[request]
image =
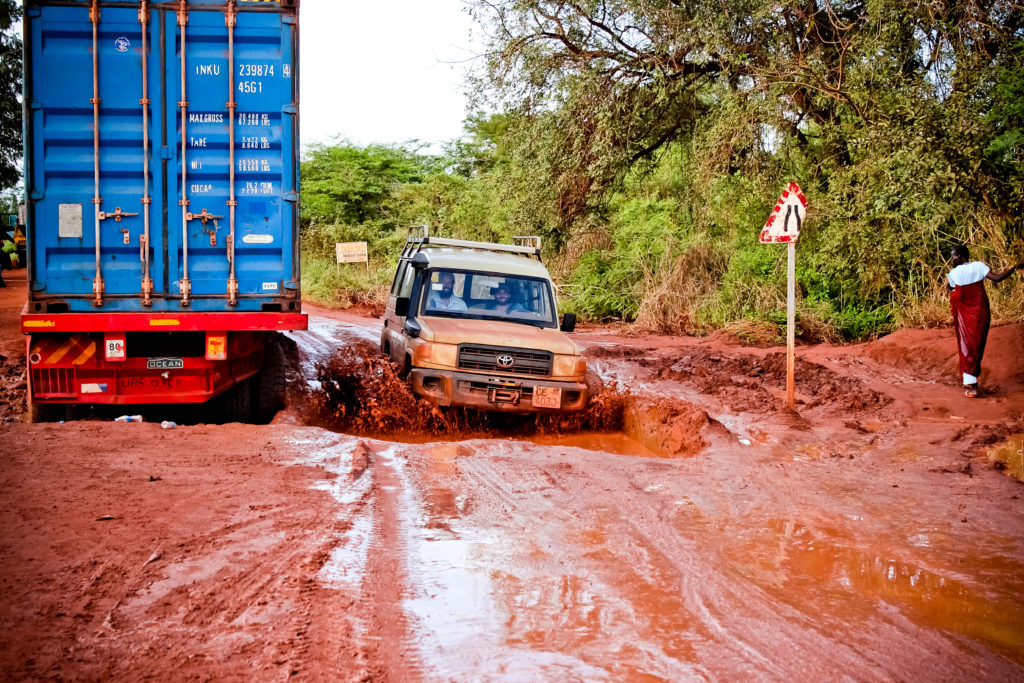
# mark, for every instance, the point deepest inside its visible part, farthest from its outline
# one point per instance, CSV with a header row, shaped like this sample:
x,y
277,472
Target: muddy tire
x,y
404,367
269,385
237,406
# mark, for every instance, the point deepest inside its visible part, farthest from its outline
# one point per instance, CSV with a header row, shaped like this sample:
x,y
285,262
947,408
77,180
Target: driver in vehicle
x,y
503,304
444,299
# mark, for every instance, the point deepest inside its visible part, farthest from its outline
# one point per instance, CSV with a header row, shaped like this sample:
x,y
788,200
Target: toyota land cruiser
x,y
474,324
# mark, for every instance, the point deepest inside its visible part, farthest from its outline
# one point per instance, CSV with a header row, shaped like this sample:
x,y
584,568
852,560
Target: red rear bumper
x,y
67,364
162,322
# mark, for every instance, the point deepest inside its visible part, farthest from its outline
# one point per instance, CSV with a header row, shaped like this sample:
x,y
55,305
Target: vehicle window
x,y
405,288
403,266
468,294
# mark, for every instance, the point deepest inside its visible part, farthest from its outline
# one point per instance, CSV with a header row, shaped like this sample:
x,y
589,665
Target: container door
x,y
78,189
255,75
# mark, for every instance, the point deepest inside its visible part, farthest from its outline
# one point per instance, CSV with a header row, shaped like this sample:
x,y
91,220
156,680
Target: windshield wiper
x,y
438,313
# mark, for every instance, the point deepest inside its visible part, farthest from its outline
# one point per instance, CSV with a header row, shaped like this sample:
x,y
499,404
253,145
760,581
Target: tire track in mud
x,y
622,580
208,571
392,652
226,596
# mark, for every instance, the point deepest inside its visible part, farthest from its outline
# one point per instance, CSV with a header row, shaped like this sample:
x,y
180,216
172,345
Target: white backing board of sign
x,y
784,223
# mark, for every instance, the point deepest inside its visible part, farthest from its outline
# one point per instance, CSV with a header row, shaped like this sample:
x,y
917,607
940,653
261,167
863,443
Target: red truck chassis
x,y
138,358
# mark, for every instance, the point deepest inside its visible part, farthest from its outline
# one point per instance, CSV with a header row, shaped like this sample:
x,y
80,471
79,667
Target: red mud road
x,y
707,533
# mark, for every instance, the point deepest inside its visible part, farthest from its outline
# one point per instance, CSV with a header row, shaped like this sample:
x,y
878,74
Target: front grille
x,y
532,363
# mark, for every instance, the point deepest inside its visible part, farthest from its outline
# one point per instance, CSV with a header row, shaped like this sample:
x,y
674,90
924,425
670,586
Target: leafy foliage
x,y
10,95
646,141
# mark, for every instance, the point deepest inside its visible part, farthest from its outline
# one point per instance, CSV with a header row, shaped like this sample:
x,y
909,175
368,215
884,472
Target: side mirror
x,y
568,322
412,328
402,306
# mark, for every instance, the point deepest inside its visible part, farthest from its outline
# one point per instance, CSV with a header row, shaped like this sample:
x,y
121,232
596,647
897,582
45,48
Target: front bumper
x,y
499,394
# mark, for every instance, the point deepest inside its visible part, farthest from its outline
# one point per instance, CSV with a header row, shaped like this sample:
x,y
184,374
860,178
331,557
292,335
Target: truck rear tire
x,y
270,384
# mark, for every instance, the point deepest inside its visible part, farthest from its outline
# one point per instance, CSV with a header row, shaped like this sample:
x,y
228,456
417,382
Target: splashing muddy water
x,y
358,391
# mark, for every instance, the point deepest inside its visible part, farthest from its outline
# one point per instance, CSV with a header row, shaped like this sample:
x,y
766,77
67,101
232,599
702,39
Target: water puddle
x,y
614,443
842,583
492,602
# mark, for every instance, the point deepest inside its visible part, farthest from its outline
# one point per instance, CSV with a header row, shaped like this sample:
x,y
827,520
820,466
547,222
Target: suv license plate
x,y
547,397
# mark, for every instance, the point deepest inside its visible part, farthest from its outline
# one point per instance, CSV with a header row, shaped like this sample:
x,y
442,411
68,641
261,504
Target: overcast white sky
x,y
384,71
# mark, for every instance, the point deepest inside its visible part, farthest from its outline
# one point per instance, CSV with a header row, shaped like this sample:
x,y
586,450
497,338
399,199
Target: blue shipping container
x,y
161,155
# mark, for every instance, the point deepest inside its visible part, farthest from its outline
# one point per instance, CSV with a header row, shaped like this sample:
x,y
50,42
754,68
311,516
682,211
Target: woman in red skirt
x,y
971,315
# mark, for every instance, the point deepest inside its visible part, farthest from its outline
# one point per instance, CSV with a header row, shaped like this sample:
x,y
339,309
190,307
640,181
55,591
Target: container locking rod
x,y
230,19
186,285
147,282
94,18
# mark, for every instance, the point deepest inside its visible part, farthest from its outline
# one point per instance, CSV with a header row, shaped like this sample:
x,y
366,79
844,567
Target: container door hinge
x,y
291,196
288,19
289,109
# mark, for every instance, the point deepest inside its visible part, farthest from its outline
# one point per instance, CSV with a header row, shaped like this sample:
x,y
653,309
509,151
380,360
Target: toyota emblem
x,y
505,360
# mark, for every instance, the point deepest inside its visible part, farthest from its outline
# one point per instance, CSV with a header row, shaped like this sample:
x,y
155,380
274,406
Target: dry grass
x,y
583,240
672,296
374,298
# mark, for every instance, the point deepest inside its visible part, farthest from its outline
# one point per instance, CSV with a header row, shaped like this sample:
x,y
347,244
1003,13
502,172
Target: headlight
x,y
438,354
569,366
446,354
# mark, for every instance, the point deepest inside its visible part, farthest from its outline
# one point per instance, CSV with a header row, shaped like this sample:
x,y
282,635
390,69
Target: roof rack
x,y
527,246
527,241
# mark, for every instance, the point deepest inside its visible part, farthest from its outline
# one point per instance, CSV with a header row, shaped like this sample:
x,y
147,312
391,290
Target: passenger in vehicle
x,y
444,299
503,304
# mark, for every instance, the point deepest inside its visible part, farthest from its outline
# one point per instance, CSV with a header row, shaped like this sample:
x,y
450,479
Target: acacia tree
x,y
901,118
600,85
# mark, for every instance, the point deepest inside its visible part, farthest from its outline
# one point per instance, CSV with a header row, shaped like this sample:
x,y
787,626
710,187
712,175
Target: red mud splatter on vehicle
x,y
361,393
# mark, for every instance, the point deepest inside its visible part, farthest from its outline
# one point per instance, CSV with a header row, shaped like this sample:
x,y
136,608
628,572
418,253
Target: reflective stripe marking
x,y
63,350
88,353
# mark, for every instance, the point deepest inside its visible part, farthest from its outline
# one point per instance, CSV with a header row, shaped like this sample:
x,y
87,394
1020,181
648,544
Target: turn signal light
x,y
216,346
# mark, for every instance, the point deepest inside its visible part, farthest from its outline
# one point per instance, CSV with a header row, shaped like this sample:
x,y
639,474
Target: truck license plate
x,y
165,364
547,397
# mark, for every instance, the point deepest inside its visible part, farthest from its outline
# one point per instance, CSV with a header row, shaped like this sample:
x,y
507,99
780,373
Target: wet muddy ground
x,y
688,527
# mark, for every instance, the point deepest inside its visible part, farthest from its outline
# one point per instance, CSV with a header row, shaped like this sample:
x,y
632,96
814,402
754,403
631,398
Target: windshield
x,y
491,296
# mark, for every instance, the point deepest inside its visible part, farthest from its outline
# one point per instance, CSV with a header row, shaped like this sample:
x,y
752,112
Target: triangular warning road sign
x,y
786,218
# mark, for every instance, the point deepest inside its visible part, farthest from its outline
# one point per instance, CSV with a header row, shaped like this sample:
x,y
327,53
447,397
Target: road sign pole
x,y
780,230
791,327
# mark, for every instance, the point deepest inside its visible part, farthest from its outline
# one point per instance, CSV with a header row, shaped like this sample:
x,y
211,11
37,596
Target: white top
x,y
454,303
485,261
967,274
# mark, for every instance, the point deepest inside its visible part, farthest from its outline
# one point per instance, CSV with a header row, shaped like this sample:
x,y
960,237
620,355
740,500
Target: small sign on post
x,y
783,227
351,252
